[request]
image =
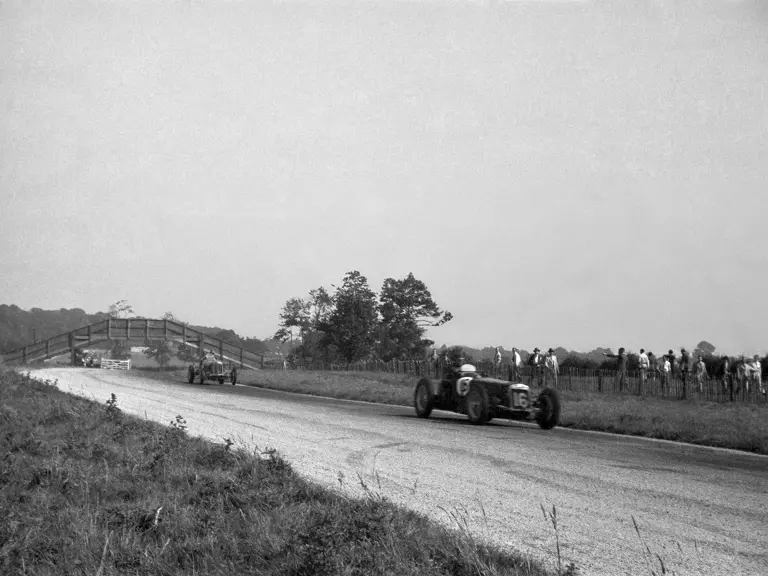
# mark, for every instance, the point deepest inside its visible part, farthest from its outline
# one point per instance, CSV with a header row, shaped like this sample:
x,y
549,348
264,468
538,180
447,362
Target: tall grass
x,y
86,489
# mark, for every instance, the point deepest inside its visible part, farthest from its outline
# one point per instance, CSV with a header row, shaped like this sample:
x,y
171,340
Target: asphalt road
x,y
704,511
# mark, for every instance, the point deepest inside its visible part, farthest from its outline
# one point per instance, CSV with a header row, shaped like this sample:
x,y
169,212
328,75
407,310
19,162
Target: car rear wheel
x,y
191,374
423,398
234,376
548,415
477,404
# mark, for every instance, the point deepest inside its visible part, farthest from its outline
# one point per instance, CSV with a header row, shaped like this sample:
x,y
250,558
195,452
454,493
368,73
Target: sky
x,y
559,173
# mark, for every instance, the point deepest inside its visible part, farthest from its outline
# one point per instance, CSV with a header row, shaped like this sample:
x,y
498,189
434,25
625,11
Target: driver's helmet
x,y
467,368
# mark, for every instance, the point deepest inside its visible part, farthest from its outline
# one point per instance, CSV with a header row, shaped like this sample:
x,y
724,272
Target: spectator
x,y
653,366
552,366
700,371
534,363
666,371
758,374
753,369
497,362
741,374
727,379
643,363
435,362
515,365
621,373
685,369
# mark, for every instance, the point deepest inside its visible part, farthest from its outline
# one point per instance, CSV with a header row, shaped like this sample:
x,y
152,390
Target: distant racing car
x,y
209,368
465,391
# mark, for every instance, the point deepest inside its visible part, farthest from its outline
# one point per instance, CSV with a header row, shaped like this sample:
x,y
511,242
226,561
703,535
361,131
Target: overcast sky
x,y
574,174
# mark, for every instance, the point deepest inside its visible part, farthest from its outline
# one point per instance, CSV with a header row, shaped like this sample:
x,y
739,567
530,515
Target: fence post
x,y
109,328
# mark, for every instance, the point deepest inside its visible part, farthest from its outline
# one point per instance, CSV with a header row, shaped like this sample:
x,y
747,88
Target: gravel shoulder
x,y
702,510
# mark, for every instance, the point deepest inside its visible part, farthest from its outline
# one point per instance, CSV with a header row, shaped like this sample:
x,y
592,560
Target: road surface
x,y
703,510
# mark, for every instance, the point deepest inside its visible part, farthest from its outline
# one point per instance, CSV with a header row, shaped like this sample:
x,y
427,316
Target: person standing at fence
x,y
758,374
666,371
685,369
514,367
551,367
726,377
741,374
497,362
435,362
752,370
700,371
643,363
621,372
534,364
653,366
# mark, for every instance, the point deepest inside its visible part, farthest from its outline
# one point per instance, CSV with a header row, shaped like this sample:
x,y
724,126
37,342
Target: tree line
x,y
352,322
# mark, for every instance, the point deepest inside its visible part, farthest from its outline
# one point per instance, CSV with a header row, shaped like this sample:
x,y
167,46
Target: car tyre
x,y
191,375
548,415
423,398
234,376
477,404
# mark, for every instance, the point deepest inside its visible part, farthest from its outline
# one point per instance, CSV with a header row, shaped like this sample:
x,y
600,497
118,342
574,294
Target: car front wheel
x,y
548,415
423,398
477,405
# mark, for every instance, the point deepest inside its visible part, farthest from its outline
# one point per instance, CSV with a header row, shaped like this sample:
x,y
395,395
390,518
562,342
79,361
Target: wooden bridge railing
x,y
131,329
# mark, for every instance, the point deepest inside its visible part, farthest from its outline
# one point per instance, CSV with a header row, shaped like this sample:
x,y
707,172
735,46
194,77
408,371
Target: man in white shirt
x,y
700,371
515,365
642,364
753,369
497,362
666,370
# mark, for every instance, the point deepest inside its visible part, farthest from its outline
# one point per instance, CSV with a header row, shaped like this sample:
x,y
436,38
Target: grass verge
x,y
86,489
736,425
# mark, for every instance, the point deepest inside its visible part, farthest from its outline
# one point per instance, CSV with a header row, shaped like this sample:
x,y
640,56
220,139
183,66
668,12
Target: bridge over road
x,y
130,329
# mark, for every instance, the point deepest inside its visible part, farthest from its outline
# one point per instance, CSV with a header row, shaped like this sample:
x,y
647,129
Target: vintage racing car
x,y
465,391
209,368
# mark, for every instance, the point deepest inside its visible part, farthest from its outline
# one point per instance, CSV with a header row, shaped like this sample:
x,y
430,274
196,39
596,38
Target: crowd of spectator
x,y
731,375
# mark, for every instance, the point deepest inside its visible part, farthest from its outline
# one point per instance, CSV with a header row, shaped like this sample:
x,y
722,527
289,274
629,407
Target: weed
x,y
113,412
551,517
650,557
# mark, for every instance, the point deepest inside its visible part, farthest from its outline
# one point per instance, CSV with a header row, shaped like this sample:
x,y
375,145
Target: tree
x,y
120,349
161,351
293,317
302,318
120,309
407,310
351,325
704,349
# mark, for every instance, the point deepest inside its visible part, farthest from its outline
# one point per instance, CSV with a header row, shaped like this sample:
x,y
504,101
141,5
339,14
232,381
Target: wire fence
x,y
651,383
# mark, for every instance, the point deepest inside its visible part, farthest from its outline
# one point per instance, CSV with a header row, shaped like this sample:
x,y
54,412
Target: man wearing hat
x,y
534,363
551,365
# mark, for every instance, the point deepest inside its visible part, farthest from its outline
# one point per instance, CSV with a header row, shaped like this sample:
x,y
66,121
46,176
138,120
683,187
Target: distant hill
x,y
19,327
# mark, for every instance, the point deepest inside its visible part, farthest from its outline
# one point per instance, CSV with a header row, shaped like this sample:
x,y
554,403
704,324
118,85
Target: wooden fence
x,y
571,379
109,364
